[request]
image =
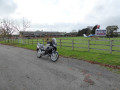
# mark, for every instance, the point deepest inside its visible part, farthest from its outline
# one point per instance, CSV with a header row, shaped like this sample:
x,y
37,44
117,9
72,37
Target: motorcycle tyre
x,y
39,56
56,57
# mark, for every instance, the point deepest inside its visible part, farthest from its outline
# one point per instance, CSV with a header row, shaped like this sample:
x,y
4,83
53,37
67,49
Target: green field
x,y
100,56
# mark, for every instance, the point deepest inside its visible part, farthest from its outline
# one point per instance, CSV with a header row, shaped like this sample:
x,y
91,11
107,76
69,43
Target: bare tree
x,y
26,24
8,27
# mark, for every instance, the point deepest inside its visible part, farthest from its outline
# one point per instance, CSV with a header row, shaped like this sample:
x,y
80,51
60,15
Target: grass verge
x,y
95,58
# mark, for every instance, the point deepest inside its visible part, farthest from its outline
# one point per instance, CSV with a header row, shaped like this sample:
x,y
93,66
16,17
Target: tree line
x,y
9,27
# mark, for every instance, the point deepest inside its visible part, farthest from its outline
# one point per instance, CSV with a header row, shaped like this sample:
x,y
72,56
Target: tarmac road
x,y
20,69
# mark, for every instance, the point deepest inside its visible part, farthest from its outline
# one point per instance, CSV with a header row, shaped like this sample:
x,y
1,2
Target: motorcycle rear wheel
x,y
54,56
39,53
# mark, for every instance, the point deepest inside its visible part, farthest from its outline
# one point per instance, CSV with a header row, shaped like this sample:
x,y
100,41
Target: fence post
x,y
111,46
22,41
28,41
5,40
88,45
43,41
18,40
37,40
14,40
73,44
32,41
60,43
25,40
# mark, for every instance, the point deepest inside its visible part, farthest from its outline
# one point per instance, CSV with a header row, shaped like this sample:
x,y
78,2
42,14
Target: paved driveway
x,y
20,69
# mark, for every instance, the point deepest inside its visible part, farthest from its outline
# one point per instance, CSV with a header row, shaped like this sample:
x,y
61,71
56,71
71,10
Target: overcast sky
x,y
62,15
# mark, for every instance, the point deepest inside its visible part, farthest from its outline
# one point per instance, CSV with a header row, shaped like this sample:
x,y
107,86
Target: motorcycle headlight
x,y
37,46
54,45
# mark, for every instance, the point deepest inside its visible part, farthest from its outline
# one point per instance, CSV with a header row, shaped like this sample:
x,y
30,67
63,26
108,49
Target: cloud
x,y
111,21
104,13
7,7
54,11
64,15
61,27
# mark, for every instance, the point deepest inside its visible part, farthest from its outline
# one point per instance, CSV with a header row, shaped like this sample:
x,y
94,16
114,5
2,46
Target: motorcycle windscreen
x,y
54,41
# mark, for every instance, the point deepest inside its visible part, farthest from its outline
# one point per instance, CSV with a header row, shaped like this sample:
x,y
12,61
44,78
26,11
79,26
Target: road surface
x,y
20,69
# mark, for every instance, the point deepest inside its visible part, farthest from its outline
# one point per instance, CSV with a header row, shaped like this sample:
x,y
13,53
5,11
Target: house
x,y
40,34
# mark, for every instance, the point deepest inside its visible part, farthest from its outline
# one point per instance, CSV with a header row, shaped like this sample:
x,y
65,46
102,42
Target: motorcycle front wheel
x,y
39,53
54,56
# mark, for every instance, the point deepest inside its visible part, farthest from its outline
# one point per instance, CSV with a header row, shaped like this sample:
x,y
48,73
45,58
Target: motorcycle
x,y
50,49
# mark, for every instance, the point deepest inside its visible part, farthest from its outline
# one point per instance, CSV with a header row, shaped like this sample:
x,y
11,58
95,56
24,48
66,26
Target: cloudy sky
x,y
62,15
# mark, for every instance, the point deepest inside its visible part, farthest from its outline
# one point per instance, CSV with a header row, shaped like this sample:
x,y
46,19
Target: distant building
x,y
71,34
40,34
118,33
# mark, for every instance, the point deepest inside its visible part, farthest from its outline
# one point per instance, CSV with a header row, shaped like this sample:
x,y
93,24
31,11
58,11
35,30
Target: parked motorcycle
x,y
49,49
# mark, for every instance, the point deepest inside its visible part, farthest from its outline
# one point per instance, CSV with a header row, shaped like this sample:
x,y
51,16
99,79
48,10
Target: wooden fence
x,y
74,43
88,44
